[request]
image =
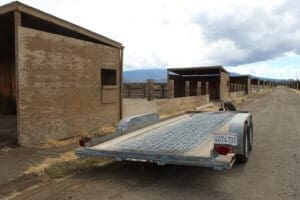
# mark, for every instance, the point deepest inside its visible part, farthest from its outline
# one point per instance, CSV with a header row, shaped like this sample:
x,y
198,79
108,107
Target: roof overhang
x,y
241,76
197,69
23,8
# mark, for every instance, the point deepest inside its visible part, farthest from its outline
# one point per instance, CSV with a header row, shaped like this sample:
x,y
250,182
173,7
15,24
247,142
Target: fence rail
x,y
140,90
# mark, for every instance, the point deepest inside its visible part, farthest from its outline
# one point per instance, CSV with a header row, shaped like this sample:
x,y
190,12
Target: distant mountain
x,y
160,76
157,75
136,76
234,74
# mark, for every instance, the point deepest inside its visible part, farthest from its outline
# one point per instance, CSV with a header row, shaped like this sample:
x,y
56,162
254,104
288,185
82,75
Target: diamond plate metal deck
x,y
176,138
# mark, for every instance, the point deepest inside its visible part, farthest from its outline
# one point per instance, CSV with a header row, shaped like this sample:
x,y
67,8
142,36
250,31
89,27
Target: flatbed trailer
x,y
210,139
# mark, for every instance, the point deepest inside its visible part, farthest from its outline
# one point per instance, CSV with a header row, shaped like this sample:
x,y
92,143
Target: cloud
x,y
259,70
256,31
189,33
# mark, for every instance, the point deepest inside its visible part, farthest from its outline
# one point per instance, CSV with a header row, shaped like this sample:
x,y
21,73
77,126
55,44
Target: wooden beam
x,y
170,87
150,90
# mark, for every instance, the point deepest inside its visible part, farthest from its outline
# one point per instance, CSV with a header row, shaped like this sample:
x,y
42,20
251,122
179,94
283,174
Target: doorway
x,y
8,108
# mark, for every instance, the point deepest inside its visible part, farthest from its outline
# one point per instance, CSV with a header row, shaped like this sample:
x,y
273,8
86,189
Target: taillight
x,y
84,140
224,150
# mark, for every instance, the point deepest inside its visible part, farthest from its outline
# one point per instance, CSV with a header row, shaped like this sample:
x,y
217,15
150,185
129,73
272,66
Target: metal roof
x,y
23,8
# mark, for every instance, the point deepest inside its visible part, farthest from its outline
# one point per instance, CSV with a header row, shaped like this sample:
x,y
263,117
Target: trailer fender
x,y
237,126
135,122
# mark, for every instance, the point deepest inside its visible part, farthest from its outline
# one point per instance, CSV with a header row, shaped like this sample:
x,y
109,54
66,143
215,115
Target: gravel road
x,y
272,171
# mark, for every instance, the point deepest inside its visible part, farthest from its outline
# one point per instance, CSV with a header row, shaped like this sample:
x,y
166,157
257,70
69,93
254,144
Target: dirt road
x,y
272,171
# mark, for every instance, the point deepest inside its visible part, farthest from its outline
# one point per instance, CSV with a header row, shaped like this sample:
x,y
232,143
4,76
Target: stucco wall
x,y
60,92
163,106
133,107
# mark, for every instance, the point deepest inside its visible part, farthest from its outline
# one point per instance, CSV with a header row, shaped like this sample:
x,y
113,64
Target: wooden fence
x,y
142,90
152,90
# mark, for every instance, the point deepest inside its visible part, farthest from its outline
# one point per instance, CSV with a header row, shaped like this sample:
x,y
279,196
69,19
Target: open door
x,y
8,110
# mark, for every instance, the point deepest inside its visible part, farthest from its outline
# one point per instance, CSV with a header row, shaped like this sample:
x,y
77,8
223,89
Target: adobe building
x,y
240,83
58,79
216,77
255,85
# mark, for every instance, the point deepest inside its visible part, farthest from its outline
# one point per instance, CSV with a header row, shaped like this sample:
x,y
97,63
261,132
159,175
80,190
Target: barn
x,y
216,77
240,83
57,80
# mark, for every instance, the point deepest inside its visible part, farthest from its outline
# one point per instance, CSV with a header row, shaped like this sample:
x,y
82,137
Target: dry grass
x,y
170,115
41,167
58,143
295,91
97,132
211,108
239,100
65,164
63,169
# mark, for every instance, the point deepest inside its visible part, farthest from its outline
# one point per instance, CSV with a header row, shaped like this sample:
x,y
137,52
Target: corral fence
x,y
140,90
151,90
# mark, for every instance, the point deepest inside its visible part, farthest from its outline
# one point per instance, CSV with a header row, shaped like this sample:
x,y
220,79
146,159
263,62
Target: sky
x,y
260,37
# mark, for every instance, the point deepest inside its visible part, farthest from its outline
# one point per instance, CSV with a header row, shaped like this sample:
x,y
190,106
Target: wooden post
x,y
170,92
128,90
187,88
162,87
206,88
149,90
144,89
199,88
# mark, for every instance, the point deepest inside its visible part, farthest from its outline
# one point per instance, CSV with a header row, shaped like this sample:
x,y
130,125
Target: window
x,y
108,77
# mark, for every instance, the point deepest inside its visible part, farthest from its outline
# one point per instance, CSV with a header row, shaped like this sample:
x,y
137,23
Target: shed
x,y
216,76
240,83
255,85
57,79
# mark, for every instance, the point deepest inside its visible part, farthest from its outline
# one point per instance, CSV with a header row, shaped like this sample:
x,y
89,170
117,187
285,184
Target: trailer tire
x,y
250,135
229,106
243,158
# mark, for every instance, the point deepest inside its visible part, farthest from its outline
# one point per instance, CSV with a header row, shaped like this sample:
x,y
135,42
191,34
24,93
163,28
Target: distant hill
x,y
157,75
160,76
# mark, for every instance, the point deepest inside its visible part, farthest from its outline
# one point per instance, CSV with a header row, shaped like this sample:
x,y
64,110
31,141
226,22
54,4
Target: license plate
x,y
225,139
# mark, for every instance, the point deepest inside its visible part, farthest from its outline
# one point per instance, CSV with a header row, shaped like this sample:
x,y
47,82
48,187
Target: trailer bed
x,y
186,140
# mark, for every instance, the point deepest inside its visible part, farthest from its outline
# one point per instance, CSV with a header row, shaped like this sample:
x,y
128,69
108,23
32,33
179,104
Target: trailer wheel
x,y
250,135
229,106
243,158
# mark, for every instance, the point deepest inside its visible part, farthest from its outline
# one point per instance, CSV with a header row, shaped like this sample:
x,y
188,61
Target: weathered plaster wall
x,y
168,106
133,107
60,92
224,86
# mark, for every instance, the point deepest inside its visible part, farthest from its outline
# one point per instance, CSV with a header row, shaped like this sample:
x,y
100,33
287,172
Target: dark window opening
x,y
108,77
